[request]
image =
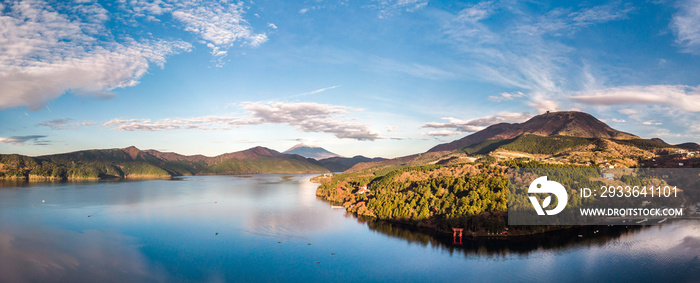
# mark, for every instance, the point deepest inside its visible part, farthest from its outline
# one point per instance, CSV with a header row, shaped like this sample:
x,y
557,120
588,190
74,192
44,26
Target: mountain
x,y
564,124
310,151
567,136
131,162
340,164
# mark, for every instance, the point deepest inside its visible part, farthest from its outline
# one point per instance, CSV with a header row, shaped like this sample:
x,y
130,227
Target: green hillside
x,y
529,143
133,163
438,197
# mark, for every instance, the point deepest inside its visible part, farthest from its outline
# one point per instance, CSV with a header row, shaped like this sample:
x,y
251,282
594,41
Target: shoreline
x,y
36,178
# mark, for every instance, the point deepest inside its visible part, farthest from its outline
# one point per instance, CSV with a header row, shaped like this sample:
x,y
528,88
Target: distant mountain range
x,y
310,151
132,163
327,159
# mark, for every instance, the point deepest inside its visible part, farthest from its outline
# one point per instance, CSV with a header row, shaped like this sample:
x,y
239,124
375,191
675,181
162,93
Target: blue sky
x,y
378,78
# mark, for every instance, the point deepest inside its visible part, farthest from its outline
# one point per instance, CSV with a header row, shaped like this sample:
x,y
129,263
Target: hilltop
x,y
132,162
566,124
327,159
310,151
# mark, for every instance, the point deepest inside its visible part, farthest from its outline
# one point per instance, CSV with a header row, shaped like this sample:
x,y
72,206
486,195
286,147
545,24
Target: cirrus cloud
x,y
64,123
686,26
442,133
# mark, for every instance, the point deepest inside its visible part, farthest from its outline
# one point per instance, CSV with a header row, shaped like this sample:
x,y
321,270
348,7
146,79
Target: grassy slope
x,y
529,143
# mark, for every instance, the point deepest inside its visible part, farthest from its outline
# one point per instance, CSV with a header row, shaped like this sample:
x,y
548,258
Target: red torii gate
x,y
454,236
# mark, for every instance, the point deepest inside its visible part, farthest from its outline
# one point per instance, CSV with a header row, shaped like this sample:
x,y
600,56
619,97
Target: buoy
x,y
309,244
43,200
217,233
332,253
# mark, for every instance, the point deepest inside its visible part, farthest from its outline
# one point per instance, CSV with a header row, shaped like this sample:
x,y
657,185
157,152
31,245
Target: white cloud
x,y
478,124
627,111
525,52
272,26
442,133
600,14
683,97
618,120
45,53
506,96
200,123
64,123
218,23
303,10
21,140
391,7
311,117
477,12
305,116
686,26
562,21
141,8
545,105
651,122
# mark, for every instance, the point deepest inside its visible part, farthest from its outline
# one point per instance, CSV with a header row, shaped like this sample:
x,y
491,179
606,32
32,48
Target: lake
x,y
273,228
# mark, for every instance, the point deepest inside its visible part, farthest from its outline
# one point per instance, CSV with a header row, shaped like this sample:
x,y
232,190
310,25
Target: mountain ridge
x,y
565,123
131,162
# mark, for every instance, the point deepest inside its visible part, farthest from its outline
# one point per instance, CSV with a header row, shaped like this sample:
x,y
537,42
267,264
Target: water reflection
x,y
502,246
45,255
272,228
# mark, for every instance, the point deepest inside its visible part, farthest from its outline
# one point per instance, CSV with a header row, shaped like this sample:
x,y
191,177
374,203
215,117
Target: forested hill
x,y
437,197
131,162
551,124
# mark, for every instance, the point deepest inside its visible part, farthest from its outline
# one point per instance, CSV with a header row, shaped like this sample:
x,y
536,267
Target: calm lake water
x,y
272,228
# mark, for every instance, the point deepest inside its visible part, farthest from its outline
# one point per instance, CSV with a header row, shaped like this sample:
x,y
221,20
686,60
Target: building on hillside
x,y
362,190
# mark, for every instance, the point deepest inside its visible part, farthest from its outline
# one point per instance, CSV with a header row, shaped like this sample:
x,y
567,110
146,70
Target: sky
x,y
376,78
